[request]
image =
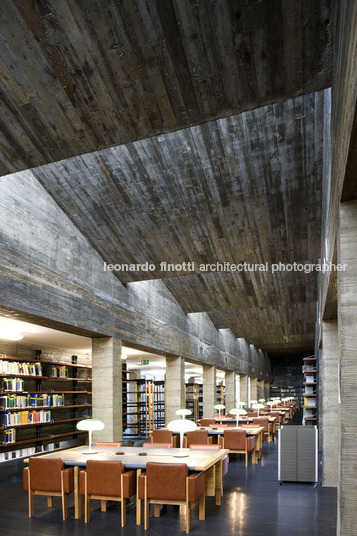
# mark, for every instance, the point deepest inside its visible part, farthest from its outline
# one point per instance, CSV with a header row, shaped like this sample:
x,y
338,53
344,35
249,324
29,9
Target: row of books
x,y
59,371
30,401
8,436
25,417
21,369
12,384
20,453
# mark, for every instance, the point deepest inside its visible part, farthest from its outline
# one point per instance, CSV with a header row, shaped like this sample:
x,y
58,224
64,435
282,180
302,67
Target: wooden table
x,y
196,460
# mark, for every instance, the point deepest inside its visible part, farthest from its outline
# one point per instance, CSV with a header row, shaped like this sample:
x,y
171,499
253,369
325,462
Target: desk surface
x,y
197,460
220,431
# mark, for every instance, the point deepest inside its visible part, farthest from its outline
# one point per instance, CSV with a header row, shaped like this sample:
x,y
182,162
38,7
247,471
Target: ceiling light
x,y
10,335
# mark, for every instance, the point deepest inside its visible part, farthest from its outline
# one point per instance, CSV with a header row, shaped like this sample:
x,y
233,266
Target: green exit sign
x,y
145,361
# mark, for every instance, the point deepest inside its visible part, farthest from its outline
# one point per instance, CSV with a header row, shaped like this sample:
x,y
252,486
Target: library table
x,y
209,461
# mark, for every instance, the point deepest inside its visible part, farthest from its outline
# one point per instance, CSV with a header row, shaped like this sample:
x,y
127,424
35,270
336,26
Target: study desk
x,y
258,432
196,460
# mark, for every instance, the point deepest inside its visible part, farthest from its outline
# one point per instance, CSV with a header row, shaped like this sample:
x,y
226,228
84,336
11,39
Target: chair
x,y
46,476
106,481
108,444
207,422
268,426
238,442
170,483
163,436
198,437
157,445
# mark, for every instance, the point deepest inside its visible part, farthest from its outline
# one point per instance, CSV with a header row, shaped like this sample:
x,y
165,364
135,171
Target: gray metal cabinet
x,y
298,454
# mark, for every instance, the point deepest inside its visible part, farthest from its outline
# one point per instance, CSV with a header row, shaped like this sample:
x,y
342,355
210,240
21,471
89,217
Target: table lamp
x,y
252,402
241,404
258,407
219,407
237,412
181,426
183,412
261,400
90,425
270,403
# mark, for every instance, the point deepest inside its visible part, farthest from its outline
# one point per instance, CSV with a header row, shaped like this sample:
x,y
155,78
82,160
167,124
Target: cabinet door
x,y
288,453
306,454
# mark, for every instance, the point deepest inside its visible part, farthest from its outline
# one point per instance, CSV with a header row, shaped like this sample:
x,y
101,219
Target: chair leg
x,y
31,505
187,509
103,506
156,510
246,458
64,506
146,506
123,511
86,499
49,501
202,507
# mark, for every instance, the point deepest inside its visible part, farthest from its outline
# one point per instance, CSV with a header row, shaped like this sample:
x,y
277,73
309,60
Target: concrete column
x,y
266,390
230,390
329,407
260,389
174,387
243,378
209,390
107,387
253,389
347,323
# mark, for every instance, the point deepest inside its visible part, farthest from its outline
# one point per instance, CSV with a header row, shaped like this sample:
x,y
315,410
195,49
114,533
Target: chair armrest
x,y
251,442
68,479
225,461
210,440
129,484
25,478
82,482
184,442
141,486
196,486
221,442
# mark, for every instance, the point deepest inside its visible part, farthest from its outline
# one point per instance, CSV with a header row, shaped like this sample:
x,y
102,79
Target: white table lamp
x,y
183,412
219,407
181,426
258,407
241,404
237,412
90,425
261,400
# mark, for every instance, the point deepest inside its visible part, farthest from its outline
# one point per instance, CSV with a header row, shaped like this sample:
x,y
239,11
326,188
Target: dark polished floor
x,y
254,504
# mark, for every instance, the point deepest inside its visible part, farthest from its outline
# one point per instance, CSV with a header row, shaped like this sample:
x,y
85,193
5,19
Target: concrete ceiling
x,y
181,131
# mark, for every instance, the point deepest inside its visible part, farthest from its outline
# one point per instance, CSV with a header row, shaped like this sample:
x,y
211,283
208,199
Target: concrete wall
x,y
329,406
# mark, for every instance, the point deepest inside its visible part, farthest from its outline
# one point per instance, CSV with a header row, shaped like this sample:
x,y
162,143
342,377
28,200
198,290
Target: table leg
x,y
138,501
218,482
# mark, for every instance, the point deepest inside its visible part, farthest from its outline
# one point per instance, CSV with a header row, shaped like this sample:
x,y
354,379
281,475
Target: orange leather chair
x,y
163,435
106,481
157,445
108,444
46,476
238,442
197,437
207,422
268,426
170,483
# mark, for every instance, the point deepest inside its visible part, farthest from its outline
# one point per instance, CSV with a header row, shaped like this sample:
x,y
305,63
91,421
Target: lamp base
x,y
180,455
89,452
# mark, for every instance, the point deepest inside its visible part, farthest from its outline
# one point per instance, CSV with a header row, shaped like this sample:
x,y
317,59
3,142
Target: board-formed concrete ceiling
x,y
181,131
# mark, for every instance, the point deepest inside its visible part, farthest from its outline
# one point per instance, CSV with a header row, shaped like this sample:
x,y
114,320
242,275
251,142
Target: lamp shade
x,y
181,426
241,404
183,412
253,402
90,425
261,400
270,403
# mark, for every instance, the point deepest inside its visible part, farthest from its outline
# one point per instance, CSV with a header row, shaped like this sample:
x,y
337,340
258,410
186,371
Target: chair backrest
x,y
104,478
161,436
262,421
45,473
166,481
207,422
157,445
197,437
235,439
108,444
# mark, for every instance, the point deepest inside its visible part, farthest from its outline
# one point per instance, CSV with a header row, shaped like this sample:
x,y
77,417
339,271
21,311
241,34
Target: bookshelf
x,y
41,402
310,390
143,406
194,400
